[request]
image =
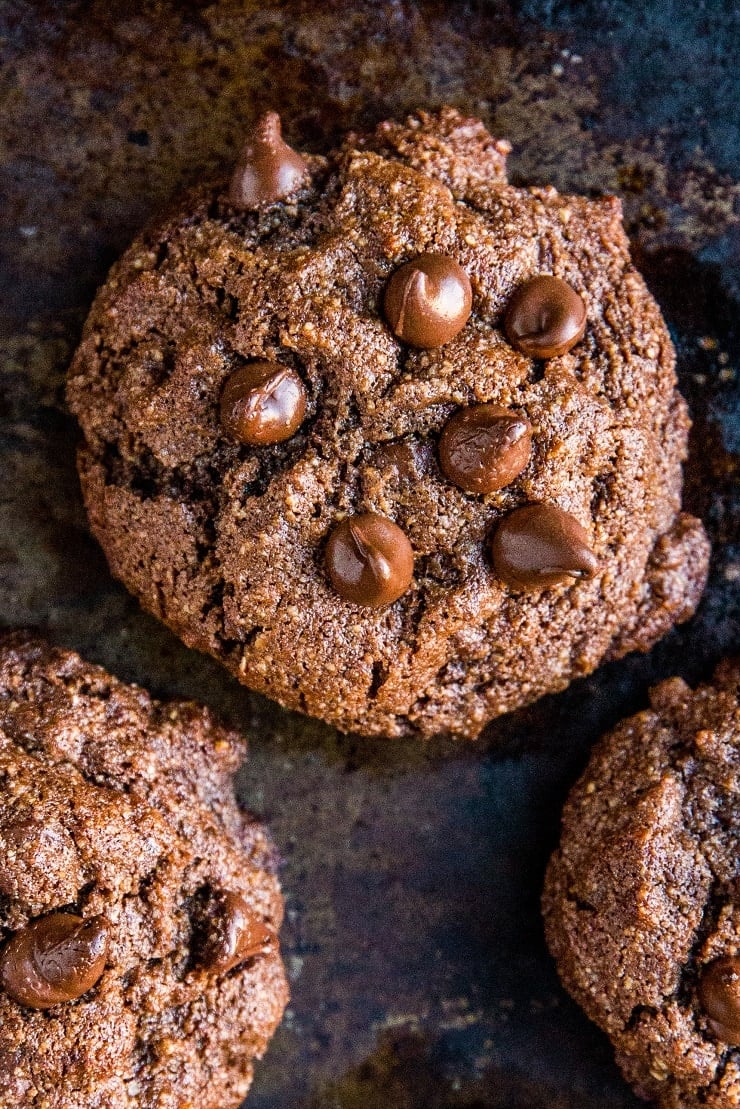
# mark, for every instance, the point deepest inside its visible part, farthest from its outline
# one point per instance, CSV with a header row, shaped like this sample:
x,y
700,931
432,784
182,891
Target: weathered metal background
x,y
412,876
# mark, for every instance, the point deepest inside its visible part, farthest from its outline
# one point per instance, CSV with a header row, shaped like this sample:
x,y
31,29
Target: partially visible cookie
x,y
139,908
398,443
642,899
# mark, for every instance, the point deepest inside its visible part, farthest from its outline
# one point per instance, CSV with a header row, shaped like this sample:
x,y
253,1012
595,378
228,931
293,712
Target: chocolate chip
x,y
369,560
483,448
545,317
428,300
268,169
263,403
54,959
719,993
404,458
234,933
539,546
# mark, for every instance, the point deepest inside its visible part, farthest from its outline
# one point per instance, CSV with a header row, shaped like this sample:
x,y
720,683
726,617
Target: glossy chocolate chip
x,y
404,458
484,447
234,933
545,317
268,169
719,993
369,560
539,546
54,959
263,403
428,300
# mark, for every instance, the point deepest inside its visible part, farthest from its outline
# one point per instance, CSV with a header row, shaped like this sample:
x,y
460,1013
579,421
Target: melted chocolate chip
x,y
54,959
268,169
400,456
369,560
483,448
539,546
428,300
719,993
234,933
263,403
545,317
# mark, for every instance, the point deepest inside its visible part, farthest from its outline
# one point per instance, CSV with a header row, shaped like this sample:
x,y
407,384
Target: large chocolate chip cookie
x,y
396,442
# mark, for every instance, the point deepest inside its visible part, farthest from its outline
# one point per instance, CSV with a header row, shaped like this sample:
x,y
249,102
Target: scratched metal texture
x,y
412,875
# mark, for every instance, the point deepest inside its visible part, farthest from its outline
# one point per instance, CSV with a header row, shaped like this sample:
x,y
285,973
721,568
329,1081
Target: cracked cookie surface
x,y
119,811
226,541
642,900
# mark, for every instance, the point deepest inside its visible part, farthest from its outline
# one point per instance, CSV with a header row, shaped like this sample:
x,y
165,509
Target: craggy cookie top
x,y
139,910
642,900
398,443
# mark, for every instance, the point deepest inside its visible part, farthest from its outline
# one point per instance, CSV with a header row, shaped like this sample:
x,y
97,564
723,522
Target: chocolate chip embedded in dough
x,y
369,560
263,403
268,169
484,447
54,959
428,300
719,993
234,933
545,317
539,546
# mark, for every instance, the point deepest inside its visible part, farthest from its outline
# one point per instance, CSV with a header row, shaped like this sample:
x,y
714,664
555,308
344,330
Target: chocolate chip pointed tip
x,y
268,169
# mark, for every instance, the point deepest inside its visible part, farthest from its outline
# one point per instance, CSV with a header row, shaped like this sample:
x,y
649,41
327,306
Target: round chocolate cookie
x,y
642,899
396,442
139,908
